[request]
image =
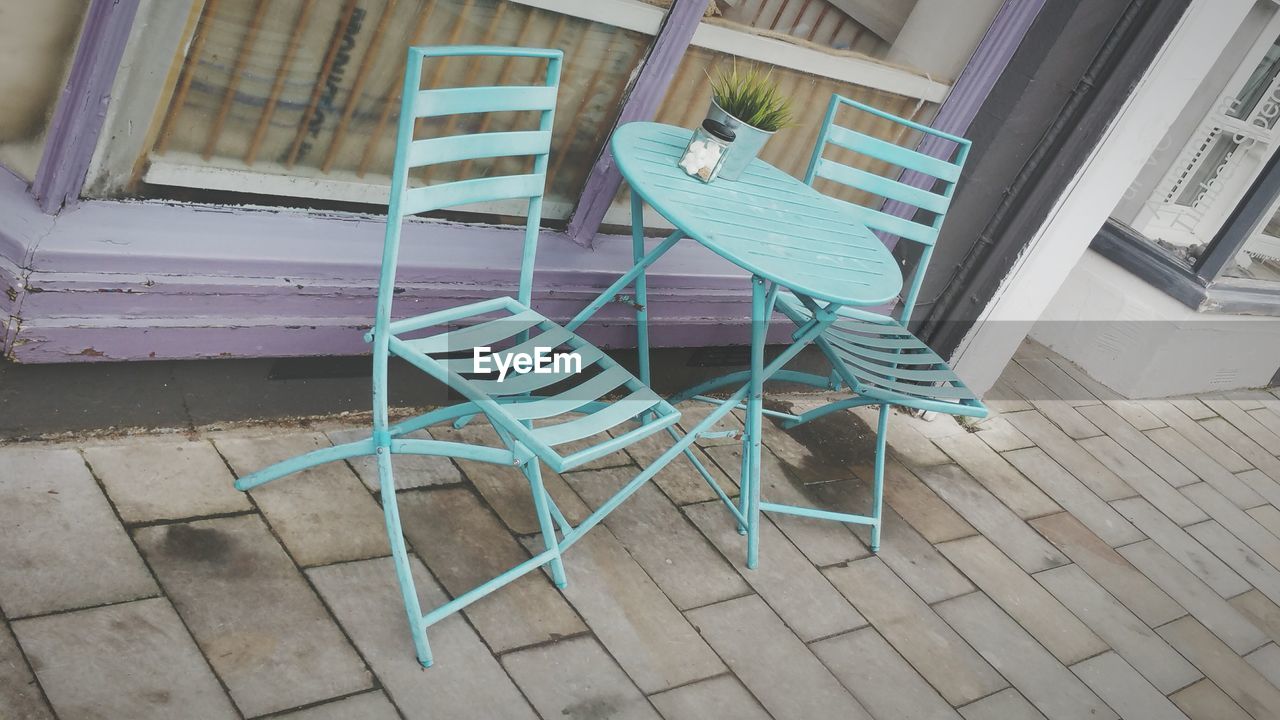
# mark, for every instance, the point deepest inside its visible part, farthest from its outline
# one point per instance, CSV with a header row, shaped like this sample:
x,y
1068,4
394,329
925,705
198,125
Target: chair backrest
x,y
919,182
417,103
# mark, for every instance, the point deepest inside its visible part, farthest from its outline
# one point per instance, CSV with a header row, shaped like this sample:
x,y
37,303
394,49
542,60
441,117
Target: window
x,y
299,98
37,42
1207,203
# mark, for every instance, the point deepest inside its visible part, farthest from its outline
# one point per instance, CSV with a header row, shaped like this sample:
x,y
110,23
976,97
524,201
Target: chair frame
x,y
803,310
525,447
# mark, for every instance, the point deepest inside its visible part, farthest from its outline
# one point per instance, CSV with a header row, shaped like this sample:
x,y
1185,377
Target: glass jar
x,y
706,150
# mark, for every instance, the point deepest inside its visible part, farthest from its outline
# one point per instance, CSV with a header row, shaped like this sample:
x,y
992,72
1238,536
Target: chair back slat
x,y
892,154
919,182
453,148
476,190
882,186
457,101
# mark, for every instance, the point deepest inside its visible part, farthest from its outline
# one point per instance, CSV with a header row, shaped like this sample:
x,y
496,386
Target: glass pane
x,y
37,43
1259,257
299,98
789,150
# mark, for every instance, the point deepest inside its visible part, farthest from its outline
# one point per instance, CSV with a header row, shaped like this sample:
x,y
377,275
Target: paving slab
x,y
629,614
773,663
1149,485
1249,425
465,681
1074,497
913,558
1266,660
1141,446
1002,398
1127,692
905,440
1029,667
1255,570
1070,455
679,480
1240,523
1058,381
695,411
1175,541
823,542
365,706
1199,599
132,660
1131,410
1024,599
997,522
886,685
722,696
1224,667
680,560
506,489
915,631
323,514
929,514
20,695
409,471
998,476
249,608
1245,446
1008,704
464,546
1267,418
165,479
1196,435
1206,468
1263,612
1110,569
64,547
1138,644
786,580
1206,701
576,678
1269,489
1044,401
996,432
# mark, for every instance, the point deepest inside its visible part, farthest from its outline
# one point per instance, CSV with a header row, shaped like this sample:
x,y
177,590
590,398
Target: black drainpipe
x,y
1090,108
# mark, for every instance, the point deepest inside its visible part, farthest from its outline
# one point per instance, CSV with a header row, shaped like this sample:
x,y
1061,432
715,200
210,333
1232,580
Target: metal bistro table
x,y
783,232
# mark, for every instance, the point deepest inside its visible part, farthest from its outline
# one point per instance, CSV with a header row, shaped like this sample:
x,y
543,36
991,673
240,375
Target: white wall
x,y
1140,342
1026,292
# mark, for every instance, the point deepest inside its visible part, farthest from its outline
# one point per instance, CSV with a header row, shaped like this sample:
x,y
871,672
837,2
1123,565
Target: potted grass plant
x,y
750,103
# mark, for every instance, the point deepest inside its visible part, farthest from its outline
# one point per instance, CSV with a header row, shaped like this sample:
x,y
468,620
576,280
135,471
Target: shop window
x,y
1207,201
37,42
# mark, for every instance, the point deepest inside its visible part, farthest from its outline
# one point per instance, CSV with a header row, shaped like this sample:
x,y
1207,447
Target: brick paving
x,y
1077,555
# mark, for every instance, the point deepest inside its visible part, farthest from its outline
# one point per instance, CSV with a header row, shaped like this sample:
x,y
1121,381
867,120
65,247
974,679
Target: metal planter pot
x,y
747,143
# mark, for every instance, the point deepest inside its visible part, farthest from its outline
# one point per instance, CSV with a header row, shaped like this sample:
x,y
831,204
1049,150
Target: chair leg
x,y
533,472
404,574
877,491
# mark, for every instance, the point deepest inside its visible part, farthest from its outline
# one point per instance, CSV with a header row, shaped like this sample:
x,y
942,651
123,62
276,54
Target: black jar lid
x,y
718,129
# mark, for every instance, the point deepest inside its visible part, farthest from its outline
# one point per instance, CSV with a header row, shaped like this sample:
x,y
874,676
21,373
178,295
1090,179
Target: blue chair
x,y
533,429
872,354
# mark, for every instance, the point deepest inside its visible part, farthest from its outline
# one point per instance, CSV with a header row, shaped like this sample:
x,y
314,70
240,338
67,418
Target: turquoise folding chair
x,y
874,355
533,429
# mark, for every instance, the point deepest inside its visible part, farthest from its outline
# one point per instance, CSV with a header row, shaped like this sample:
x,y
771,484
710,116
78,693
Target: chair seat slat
x,y
573,398
455,101
453,148
450,194
553,338
615,414
532,382
485,333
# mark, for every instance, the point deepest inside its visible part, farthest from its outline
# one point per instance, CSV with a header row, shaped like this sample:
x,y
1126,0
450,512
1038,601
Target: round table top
x,y
766,222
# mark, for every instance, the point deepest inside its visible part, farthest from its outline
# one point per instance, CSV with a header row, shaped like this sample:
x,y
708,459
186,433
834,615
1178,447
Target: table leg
x,y
755,405
642,295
